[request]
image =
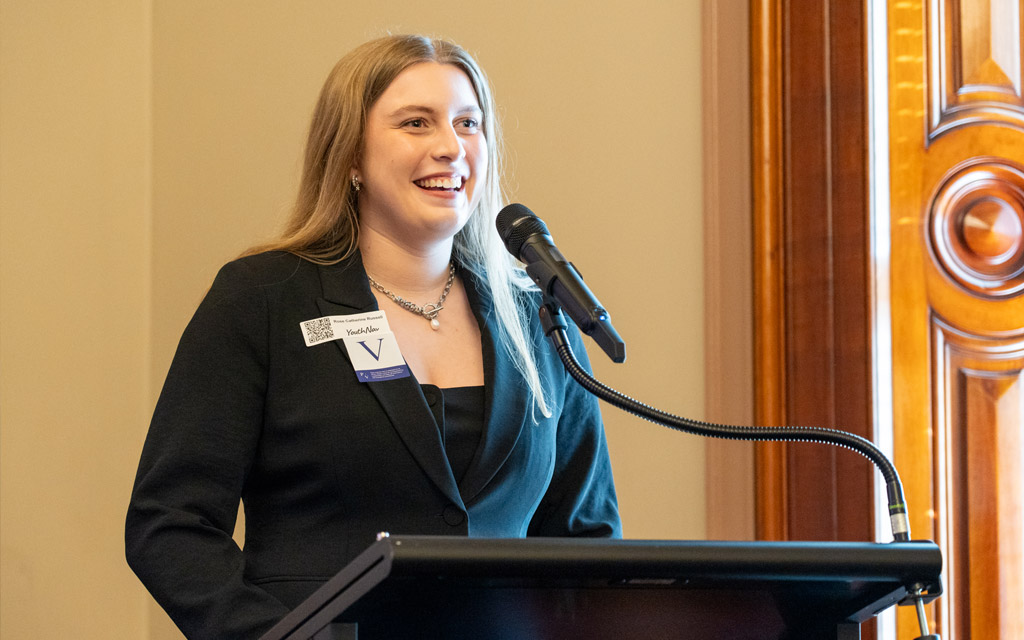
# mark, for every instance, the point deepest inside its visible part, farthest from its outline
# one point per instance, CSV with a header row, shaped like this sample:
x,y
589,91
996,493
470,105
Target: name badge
x,y
371,345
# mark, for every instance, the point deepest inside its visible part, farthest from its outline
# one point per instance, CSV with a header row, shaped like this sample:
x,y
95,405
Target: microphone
x,y
526,237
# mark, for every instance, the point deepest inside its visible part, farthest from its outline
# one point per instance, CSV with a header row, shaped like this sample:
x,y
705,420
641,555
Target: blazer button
x,y
453,515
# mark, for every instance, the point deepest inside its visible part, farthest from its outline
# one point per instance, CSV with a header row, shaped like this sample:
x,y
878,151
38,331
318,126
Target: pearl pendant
x,y
435,325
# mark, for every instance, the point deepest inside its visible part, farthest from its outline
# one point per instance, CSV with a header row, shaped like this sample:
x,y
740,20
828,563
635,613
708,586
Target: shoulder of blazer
x,y
264,269
287,274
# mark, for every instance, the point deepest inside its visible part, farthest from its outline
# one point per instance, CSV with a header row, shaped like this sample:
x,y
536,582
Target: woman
x,y
487,436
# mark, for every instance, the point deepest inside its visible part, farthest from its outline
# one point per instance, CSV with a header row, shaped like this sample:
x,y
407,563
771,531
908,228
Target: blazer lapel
x,y
506,404
346,291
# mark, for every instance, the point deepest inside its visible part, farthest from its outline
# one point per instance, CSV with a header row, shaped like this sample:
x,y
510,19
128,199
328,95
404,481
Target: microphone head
x,y
515,224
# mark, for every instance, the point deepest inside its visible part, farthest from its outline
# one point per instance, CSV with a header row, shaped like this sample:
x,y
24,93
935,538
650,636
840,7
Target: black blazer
x,y
323,462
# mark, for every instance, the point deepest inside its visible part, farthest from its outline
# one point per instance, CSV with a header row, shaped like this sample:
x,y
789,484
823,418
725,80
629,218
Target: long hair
x,y
324,224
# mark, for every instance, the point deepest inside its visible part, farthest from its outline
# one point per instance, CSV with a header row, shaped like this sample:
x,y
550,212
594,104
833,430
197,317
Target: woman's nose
x,y
448,144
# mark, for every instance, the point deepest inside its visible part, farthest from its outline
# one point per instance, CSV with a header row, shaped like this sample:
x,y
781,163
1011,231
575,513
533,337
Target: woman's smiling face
x,y
424,156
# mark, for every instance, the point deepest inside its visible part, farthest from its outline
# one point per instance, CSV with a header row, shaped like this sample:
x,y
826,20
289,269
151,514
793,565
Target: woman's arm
x,y
580,500
200,445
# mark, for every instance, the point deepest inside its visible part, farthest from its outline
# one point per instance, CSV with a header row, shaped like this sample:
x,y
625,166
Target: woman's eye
x,y
415,124
470,123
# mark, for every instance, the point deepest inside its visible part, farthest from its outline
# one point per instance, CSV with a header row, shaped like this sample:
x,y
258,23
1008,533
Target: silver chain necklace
x,y
429,311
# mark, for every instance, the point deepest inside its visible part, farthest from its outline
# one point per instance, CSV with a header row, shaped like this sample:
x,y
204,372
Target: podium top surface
x,y
905,562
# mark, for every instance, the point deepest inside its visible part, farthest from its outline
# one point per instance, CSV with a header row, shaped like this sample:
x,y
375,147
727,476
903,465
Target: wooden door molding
x,y
767,103
811,270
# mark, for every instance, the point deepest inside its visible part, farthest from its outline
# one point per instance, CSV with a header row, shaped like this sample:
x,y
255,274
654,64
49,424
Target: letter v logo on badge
x,y
376,356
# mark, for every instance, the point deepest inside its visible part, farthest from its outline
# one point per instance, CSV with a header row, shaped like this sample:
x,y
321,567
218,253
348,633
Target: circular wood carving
x,y
976,227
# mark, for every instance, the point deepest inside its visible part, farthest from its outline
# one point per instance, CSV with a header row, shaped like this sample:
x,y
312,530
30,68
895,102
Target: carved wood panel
x,y
978,449
976,63
976,227
957,282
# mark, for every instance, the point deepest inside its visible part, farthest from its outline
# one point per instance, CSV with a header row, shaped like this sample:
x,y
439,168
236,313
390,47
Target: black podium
x,y
566,589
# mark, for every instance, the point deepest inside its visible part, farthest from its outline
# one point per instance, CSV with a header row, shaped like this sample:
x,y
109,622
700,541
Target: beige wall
x,y
74,311
145,142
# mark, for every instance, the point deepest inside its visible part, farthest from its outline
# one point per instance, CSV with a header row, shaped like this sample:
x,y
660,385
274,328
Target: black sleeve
x,y
200,445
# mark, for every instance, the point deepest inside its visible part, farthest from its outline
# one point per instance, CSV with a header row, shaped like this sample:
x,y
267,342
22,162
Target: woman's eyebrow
x,y
417,109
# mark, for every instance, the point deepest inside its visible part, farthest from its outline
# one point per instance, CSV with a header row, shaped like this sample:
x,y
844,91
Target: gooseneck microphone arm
x,y
526,237
554,326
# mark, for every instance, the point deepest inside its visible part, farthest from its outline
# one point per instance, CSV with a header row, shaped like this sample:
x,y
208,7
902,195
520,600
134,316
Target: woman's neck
x,y
411,270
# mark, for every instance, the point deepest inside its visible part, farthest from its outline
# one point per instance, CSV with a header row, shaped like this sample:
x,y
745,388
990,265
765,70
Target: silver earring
x,y
356,185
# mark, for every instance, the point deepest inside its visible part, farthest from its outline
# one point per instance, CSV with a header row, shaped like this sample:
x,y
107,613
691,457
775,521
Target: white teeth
x,y
441,183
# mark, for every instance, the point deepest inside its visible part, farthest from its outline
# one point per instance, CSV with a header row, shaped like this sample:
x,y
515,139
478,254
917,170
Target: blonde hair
x,y
324,224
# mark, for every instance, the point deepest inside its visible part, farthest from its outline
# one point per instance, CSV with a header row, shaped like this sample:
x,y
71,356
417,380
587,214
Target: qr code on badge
x,y
318,330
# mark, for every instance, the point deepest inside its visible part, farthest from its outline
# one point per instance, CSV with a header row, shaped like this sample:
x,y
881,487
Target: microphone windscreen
x,y
515,224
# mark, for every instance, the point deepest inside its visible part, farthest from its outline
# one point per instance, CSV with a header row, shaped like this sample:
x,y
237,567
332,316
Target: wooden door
x,y
956,122
918,337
